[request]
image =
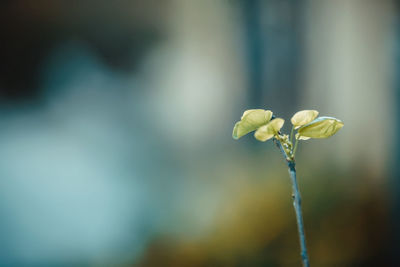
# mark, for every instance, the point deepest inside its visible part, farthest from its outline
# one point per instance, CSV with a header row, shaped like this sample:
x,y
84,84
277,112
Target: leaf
x,y
248,111
277,124
322,127
251,120
302,137
303,117
268,131
264,133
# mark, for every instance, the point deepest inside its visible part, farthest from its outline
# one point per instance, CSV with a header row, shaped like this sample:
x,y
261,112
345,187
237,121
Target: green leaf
x,y
302,137
251,120
268,131
277,124
322,127
303,117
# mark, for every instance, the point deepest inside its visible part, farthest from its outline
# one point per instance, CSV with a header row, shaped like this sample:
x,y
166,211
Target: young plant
x,y
308,125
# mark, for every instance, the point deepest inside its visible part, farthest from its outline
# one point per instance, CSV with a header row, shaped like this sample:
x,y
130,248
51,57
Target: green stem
x,y
291,134
296,204
295,148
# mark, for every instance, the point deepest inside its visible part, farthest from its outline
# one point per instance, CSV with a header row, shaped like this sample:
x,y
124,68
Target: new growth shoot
x,y
306,125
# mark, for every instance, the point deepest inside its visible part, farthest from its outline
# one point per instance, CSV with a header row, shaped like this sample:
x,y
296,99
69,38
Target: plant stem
x,y
297,204
291,134
299,215
295,148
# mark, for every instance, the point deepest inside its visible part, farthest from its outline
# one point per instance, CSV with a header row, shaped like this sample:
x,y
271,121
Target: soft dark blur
x,y
116,121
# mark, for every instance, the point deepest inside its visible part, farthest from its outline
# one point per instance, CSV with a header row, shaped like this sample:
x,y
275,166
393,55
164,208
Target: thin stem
x,y
291,134
296,204
279,145
295,148
299,215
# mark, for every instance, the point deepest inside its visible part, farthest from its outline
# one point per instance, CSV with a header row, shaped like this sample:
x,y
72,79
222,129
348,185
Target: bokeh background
x,y
116,121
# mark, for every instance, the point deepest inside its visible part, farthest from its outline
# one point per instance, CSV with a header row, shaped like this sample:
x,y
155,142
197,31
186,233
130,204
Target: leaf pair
x,y
305,122
258,120
309,126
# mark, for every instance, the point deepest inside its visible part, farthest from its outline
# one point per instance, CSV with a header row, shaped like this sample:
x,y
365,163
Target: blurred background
x,y
116,120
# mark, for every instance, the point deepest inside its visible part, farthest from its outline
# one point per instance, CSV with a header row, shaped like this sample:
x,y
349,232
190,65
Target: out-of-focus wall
x,y
350,74
197,76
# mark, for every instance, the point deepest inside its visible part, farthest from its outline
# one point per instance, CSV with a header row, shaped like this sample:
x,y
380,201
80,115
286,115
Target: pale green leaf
x,y
303,117
264,133
322,127
268,131
277,124
251,120
302,137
